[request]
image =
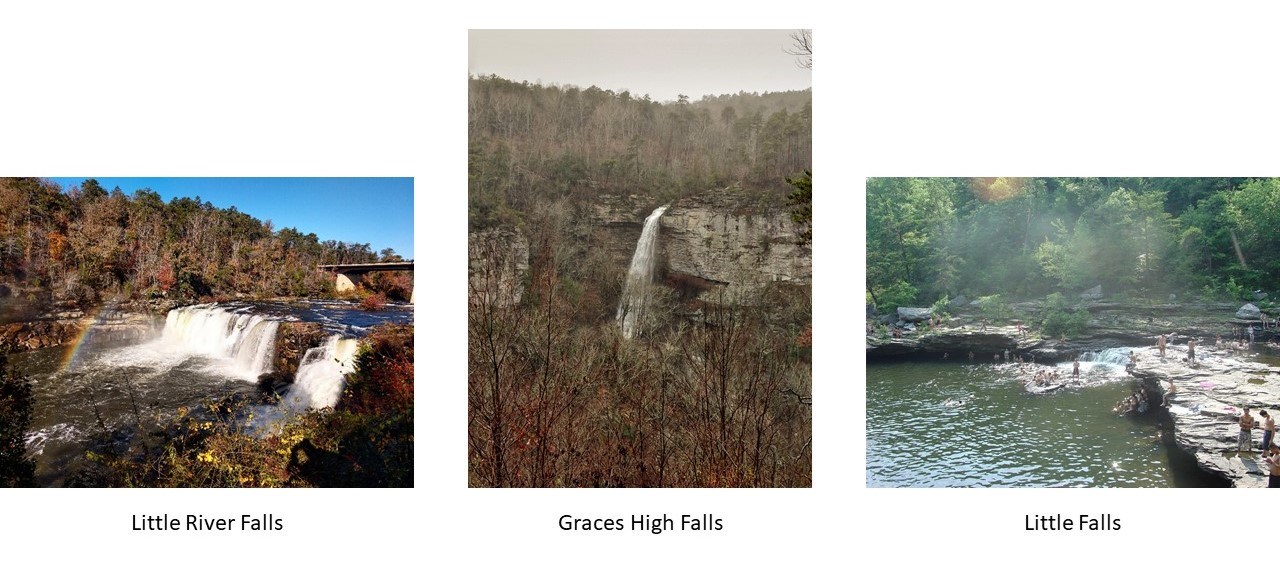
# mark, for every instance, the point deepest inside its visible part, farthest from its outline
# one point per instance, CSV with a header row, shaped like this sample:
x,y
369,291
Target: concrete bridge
x,y
349,274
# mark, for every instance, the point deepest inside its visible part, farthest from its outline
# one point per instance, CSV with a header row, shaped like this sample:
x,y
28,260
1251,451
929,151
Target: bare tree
x,y
802,47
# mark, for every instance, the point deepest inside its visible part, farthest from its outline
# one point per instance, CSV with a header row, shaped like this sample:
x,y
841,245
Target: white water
x,y
322,374
246,341
1108,362
636,289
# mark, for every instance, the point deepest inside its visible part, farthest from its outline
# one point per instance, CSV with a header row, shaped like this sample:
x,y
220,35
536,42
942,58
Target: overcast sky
x,y
660,63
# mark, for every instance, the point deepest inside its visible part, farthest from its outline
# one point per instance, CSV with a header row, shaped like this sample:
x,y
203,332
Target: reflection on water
x,y
962,425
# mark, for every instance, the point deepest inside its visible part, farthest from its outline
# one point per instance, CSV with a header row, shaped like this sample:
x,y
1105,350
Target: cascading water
x,y
1108,362
247,340
636,289
322,374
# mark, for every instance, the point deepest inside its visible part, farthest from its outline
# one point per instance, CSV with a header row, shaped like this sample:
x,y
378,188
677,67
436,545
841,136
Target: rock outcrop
x,y
71,326
497,262
914,314
1205,410
725,238
293,339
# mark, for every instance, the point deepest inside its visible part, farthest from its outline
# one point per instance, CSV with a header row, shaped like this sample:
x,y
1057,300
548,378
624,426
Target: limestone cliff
x,y
497,262
729,239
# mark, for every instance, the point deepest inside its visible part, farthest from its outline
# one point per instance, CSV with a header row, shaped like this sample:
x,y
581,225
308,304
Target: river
x,y
973,424
85,393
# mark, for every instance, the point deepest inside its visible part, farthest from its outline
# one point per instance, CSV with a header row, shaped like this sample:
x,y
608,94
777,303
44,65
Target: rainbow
x,y
73,353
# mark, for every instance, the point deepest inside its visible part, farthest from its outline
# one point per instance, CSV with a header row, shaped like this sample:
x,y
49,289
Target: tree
x,y
16,470
802,48
801,202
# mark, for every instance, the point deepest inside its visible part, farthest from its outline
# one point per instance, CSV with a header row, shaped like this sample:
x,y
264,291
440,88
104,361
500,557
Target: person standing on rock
x,y
1245,442
1075,368
1273,468
1268,430
1191,350
1160,342
1173,389
1006,355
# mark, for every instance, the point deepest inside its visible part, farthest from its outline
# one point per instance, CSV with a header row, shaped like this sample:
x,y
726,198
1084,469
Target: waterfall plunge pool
x,y
201,354
972,424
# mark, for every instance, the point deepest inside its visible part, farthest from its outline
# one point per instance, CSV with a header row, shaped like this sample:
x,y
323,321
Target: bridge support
x,y
347,282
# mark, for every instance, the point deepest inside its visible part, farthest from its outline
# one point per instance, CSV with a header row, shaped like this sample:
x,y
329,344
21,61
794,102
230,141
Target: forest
x,y
1139,238
85,244
531,143
717,392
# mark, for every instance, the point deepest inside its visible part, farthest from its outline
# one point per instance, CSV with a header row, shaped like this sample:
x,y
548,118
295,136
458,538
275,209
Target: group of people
x,y
1270,452
1136,401
1163,341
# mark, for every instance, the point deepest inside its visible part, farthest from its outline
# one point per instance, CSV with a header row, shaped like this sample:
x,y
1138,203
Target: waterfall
x,y
1118,356
1108,363
636,289
246,340
322,374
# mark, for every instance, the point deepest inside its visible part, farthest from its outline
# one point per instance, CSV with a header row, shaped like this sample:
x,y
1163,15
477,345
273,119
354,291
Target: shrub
x,y
373,302
1062,319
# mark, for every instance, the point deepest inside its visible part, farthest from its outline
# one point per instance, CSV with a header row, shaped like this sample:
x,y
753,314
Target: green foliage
x,y
801,202
1062,319
899,294
994,308
1028,237
16,401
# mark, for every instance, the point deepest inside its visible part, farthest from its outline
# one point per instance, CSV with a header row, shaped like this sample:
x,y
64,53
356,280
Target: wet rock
x,y
1094,293
274,385
293,339
1249,312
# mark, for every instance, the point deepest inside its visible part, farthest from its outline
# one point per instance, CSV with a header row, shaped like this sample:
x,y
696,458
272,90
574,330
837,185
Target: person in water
x,y
1191,350
1268,430
1245,442
1075,368
1161,342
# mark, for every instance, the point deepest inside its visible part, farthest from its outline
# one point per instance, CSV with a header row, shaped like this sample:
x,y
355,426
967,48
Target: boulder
x,y
958,302
1249,312
1259,295
914,314
1094,293
889,319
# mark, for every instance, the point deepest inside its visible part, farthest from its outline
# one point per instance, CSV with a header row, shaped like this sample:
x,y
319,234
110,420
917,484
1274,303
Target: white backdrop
x,y
379,89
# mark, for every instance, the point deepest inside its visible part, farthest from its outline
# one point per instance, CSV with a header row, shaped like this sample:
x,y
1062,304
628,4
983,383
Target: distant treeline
x,y
532,143
86,244
1213,238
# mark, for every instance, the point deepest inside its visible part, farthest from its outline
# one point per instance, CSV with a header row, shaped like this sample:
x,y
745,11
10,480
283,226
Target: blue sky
x,y
377,211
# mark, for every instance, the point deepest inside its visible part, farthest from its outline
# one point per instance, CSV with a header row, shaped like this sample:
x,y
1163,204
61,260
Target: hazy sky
x,y
377,211
660,63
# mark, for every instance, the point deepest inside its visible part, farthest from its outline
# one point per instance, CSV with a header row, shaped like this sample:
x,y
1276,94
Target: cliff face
x,y
497,262
724,238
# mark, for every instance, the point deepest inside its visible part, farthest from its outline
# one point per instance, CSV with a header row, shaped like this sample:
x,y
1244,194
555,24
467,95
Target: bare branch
x,y
802,47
